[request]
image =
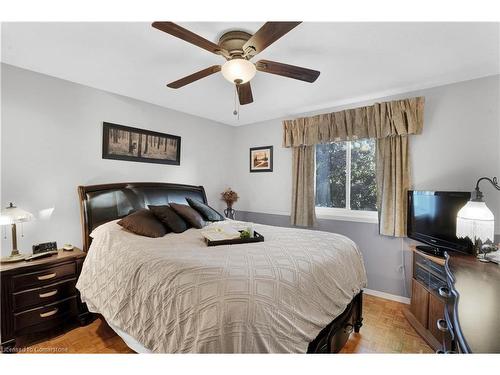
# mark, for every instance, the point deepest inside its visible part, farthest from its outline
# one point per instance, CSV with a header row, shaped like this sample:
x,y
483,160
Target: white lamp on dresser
x,y
476,221
13,215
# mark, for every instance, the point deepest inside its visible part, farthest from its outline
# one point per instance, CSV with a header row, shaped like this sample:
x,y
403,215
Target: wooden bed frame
x,y
100,204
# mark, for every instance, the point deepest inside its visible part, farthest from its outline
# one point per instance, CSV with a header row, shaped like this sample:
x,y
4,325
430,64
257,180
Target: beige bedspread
x,y
176,295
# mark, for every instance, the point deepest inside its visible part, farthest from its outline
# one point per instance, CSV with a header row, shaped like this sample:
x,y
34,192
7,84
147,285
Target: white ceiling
x,y
356,60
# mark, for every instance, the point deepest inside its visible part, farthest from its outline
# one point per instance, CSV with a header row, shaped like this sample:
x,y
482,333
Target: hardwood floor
x,y
385,330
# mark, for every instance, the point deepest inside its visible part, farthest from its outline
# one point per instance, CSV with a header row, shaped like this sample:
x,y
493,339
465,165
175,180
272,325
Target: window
x,y
346,180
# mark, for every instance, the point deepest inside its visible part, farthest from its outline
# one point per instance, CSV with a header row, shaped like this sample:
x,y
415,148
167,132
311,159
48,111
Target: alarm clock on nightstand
x,y
42,250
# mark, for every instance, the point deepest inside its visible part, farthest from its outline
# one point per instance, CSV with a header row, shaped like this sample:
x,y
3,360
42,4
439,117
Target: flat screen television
x,y
432,219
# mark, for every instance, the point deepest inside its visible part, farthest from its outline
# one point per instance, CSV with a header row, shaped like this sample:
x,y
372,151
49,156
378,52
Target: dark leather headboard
x,y
102,203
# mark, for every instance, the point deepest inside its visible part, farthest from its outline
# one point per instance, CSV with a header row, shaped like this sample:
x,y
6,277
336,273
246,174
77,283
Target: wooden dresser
x,y
455,303
40,295
472,314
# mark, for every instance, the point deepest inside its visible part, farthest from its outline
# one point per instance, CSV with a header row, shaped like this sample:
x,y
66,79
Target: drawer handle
x,y
443,351
48,294
348,328
442,325
49,313
47,277
444,292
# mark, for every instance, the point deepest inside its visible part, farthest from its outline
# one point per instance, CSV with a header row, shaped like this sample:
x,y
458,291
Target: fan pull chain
x,y
236,111
22,229
4,228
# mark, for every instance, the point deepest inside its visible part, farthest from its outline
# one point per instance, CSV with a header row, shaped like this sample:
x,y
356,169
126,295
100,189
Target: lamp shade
x,y
238,70
13,215
476,221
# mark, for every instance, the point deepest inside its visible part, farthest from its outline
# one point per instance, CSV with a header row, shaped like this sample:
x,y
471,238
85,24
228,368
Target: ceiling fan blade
x,y
285,70
244,93
188,36
194,77
269,33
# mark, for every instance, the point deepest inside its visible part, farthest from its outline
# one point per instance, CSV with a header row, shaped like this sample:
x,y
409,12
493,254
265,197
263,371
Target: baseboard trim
x,y
388,296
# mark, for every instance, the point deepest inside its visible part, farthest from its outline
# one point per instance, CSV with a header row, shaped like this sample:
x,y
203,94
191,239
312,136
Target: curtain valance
x,y
380,120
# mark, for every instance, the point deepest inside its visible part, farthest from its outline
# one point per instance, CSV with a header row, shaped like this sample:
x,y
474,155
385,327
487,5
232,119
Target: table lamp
x,y
476,221
13,215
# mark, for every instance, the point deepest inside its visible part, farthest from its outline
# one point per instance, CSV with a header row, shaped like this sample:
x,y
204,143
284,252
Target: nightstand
x,y
40,295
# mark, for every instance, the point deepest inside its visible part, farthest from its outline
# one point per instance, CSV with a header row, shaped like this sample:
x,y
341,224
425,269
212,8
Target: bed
x,y
299,291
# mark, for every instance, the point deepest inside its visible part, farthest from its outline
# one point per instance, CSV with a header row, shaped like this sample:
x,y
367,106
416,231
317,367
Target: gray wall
x,y
51,143
460,142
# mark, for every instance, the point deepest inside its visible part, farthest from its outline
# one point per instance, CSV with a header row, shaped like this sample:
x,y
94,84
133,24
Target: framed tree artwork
x,y
132,144
261,159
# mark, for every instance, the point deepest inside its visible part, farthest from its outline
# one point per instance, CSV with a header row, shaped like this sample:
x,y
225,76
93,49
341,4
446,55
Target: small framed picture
x,y
261,159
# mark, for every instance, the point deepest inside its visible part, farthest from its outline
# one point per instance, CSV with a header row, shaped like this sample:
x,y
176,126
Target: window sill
x,y
347,215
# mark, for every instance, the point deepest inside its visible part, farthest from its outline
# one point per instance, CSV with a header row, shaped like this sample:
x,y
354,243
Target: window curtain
x,y
303,200
393,182
390,123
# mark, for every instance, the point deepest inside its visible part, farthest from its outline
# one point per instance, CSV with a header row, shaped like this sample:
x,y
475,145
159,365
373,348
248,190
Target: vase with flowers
x,y
229,196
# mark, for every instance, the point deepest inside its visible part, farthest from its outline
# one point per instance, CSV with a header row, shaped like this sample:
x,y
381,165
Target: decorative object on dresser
x,y
230,197
132,144
261,159
40,295
13,215
476,221
493,253
68,247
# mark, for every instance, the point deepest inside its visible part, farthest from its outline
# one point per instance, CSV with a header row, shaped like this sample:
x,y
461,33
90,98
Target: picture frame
x,y
261,159
120,142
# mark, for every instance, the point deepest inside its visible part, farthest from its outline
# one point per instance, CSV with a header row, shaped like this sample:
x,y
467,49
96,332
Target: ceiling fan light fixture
x,y
238,47
238,70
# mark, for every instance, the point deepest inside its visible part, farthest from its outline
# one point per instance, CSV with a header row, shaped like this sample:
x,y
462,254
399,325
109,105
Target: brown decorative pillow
x,y
143,223
189,214
169,218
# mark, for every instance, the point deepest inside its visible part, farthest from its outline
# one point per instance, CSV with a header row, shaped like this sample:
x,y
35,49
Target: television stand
x,y
434,251
427,305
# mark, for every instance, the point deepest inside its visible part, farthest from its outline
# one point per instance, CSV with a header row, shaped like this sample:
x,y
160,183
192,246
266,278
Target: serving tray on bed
x,y
257,237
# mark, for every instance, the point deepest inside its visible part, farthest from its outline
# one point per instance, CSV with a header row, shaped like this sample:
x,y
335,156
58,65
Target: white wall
x,y
460,142
51,143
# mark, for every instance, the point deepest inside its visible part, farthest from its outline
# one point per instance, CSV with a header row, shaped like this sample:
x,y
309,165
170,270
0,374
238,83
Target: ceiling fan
x,y
238,48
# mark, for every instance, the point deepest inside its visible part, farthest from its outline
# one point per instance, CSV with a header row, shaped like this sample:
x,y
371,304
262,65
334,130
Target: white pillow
x,y
106,228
